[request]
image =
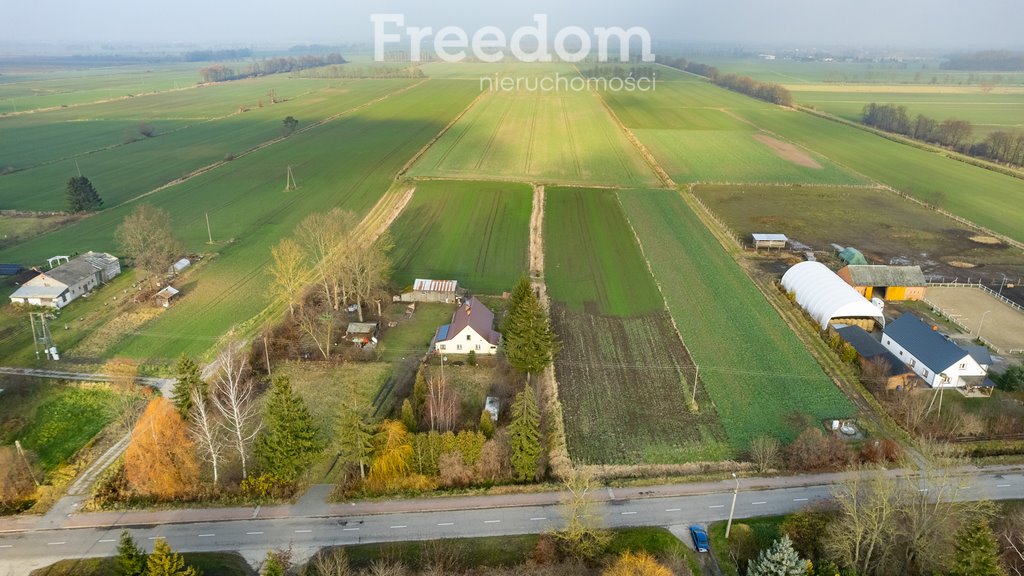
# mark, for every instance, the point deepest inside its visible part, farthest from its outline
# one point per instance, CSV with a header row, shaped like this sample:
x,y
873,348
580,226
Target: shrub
x,y
813,451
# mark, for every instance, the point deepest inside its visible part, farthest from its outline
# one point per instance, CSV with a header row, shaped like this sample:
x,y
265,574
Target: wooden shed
x,y
164,297
893,283
769,241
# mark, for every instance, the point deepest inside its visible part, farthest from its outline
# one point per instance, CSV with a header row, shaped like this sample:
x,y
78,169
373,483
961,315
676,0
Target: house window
x,y
913,362
477,346
887,341
926,373
469,337
963,365
458,347
444,346
901,352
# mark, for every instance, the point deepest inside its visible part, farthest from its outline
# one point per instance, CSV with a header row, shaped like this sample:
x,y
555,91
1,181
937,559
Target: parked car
x,y
700,538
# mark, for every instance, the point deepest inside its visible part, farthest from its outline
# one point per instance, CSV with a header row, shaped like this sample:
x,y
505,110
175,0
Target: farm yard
x,y
882,225
474,232
617,342
546,137
759,376
981,314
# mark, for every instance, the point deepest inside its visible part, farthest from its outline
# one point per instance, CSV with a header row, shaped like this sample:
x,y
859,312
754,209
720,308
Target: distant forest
x,y
276,65
211,55
767,91
990,60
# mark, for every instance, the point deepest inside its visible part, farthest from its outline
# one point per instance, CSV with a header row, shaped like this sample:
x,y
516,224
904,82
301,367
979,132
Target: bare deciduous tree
x,y
288,269
764,453
319,326
207,432
442,404
234,397
147,237
326,239
368,267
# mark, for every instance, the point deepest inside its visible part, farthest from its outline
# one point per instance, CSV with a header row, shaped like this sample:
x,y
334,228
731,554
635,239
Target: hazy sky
x,y
875,23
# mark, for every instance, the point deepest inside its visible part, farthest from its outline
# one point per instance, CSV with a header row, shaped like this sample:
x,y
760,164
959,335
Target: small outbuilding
x,y
362,334
164,297
426,290
769,240
852,256
892,283
493,407
179,266
828,299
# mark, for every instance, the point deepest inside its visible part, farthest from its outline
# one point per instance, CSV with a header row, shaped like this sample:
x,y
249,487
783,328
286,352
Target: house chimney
x,y
935,327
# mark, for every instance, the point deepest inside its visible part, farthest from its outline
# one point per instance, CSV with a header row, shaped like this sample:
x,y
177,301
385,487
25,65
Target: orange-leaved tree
x,y
636,564
161,458
392,458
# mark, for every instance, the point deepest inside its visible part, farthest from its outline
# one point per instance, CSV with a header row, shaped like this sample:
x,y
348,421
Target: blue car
x,y
700,538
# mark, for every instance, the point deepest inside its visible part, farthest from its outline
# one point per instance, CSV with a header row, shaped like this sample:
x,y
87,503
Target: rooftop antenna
x,y
289,183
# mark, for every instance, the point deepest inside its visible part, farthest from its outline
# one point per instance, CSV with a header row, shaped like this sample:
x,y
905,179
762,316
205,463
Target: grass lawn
x,y
755,369
473,232
549,137
208,563
53,420
412,336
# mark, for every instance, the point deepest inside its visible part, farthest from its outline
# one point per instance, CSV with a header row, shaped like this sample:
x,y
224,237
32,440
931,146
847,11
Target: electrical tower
x,y
41,337
289,183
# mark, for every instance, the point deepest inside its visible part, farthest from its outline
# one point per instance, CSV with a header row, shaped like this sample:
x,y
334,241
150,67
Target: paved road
x,y
165,385
253,532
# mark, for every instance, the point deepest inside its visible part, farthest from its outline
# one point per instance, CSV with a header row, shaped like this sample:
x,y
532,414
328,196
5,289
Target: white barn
x,y
828,298
932,356
471,329
56,288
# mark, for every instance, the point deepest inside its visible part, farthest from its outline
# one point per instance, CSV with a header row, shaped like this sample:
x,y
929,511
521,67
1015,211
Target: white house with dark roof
x,y
57,287
932,356
471,329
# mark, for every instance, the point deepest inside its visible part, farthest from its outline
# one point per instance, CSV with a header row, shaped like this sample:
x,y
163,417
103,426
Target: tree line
x,y
767,91
953,133
350,71
210,55
988,60
619,72
275,65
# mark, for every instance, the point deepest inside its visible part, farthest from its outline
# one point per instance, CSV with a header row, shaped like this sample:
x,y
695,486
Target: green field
x,y
52,420
617,343
349,162
473,232
548,137
591,262
127,171
757,372
695,139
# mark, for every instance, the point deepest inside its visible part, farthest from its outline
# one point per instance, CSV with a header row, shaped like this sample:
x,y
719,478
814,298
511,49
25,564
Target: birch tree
x,y
234,396
206,431
326,239
288,269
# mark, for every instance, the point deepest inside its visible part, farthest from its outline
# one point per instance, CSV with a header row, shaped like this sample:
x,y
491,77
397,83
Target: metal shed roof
x,y
167,292
426,285
871,275
824,295
770,237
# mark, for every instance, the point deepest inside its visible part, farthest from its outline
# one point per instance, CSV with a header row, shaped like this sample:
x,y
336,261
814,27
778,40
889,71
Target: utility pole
x,y
17,445
982,323
209,233
289,183
728,527
696,374
266,353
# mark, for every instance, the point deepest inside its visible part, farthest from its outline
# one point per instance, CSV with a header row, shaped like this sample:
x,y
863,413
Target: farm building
x,y
425,290
829,300
362,333
886,282
897,374
931,355
180,265
471,329
57,287
852,256
163,298
769,241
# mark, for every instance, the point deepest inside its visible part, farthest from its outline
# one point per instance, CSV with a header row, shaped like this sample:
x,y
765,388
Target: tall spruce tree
x,y
82,195
778,560
524,435
290,440
976,552
356,437
528,338
166,562
189,378
131,559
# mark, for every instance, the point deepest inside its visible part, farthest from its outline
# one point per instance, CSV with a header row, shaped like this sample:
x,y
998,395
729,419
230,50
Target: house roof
x,y
929,346
851,255
361,328
442,333
80,267
39,291
426,285
475,315
980,354
825,296
871,275
869,348
770,237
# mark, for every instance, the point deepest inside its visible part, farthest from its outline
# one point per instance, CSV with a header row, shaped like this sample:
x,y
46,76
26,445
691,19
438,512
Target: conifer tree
x,y
778,560
524,433
976,552
356,437
166,562
290,440
528,338
131,559
189,378
486,424
82,195
408,417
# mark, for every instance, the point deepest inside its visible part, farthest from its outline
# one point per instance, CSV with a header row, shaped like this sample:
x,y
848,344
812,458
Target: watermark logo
x,y
561,83
525,44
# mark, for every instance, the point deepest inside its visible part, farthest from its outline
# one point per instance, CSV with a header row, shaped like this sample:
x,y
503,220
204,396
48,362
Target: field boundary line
x,y
109,100
419,154
652,162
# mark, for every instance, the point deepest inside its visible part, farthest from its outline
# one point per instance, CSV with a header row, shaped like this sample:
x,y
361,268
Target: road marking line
x,y
491,521
717,506
6,545
253,533
446,523
799,499
1002,485
671,509
628,513
55,543
108,540
303,531
205,535
757,503
400,526
349,529
538,518
153,538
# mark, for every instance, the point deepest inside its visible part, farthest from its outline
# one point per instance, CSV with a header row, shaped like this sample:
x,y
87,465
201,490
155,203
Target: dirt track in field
x,y
787,151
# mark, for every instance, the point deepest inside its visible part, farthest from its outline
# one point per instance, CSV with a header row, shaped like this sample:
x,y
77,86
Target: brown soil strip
x,y
987,240
788,152
960,264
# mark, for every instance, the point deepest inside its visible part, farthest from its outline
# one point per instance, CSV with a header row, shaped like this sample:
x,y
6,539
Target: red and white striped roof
x,y
425,285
